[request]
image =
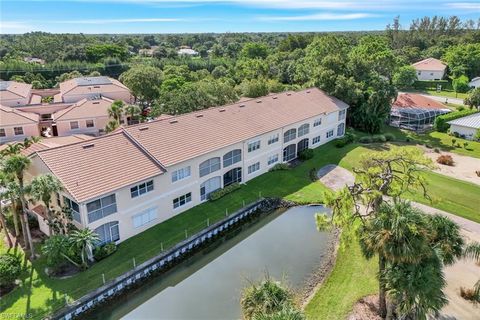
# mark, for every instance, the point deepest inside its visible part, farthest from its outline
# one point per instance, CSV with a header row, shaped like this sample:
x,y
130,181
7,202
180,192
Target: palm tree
x,y
116,110
42,187
27,142
472,251
3,192
17,165
83,241
133,112
111,126
12,149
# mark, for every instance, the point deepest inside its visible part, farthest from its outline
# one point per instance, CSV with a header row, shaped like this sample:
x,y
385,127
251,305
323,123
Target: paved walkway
x,y
444,99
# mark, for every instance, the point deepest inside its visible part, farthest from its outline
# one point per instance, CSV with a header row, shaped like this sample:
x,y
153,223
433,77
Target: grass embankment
x,y
352,278
40,295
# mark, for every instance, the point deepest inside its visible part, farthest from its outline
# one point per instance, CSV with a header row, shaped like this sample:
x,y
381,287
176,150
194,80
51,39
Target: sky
x,y
193,16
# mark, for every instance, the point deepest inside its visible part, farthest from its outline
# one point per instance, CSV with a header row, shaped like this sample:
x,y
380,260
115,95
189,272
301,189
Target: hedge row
x,y
432,85
215,195
441,124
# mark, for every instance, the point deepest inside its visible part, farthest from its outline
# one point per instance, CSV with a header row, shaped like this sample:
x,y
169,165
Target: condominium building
x,y
125,182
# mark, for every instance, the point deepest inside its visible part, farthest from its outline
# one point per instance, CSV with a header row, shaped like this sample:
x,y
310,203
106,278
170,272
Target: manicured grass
x,y
447,94
40,295
353,277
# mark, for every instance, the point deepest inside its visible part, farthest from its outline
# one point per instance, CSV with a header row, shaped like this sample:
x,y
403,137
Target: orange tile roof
x,y
10,117
186,136
430,64
85,108
99,166
47,143
71,84
18,88
412,100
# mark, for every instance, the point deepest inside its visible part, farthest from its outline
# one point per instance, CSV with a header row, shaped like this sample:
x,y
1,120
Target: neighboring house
x,y
148,52
34,60
122,183
415,111
466,127
474,83
16,125
187,52
77,89
430,69
13,94
88,116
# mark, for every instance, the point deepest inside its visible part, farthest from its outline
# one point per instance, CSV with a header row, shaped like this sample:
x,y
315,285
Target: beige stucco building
x,y
125,182
16,125
87,87
430,69
13,94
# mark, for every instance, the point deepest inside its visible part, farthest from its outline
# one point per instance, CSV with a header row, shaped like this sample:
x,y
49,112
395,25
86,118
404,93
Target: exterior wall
x,y
29,130
430,75
469,133
474,84
109,91
64,128
161,198
46,108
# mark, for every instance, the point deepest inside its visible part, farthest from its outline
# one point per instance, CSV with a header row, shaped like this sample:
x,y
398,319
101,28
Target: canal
x,y
285,244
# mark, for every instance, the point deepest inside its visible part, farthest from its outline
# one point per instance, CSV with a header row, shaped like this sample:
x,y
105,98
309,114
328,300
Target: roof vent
x,y
87,146
242,105
289,94
275,97
173,121
199,116
143,128
221,110
308,91
96,102
259,101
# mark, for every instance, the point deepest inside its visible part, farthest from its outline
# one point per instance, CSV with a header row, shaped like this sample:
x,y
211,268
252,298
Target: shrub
x,y
104,251
10,269
469,294
407,139
436,150
428,145
305,154
465,145
477,173
280,166
432,84
441,124
460,108
313,174
379,138
348,138
445,159
340,143
215,195
453,142
365,139
389,136
55,249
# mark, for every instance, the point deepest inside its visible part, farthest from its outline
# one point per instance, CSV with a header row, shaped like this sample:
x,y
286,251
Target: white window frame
x,y
232,157
101,211
253,167
93,123
304,129
3,133
329,134
217,161
145,217
71,126
253,145
272,159
70,204
185,198
20,129
316,140
317,122
274,138
291,136
181,174
141,189
342,114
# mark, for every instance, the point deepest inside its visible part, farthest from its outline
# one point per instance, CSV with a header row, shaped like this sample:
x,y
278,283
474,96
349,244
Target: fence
x,y
175,250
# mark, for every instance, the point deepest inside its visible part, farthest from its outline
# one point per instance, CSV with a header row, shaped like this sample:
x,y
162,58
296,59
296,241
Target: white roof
x,y
187,51
475,79
471,121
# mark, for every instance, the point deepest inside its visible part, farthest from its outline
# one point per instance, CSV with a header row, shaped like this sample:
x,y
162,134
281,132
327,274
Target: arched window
x,y
108,232
209,166
341,129
302,145
289,152
303,129
232,176
289,135
232,157
209,186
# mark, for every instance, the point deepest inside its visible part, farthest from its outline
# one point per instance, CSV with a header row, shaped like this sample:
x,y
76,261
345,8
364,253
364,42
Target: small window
x,y
317,122
2,133
182,200
232,157
18,131
144,217
272,159
74,208
273,138
254,167
341,129
73,125
252,146
329,134
181,174
316,140
341,115
142,188
89,123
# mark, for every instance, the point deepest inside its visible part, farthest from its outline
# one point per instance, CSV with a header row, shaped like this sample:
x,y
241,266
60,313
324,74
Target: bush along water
x,y
215,195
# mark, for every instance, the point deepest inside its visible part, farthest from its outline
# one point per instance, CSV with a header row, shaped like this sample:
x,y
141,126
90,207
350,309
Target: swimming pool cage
x,y
415,119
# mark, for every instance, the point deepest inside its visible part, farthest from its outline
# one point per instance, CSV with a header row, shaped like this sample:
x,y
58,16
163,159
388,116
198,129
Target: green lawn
x,y
40,294
447,94
352,277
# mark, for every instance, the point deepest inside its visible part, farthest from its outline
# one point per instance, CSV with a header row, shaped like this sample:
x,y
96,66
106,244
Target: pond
x,y
286,244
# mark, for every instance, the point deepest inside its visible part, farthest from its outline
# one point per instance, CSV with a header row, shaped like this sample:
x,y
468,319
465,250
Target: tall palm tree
x,y
12,149
83,241
472,251
111,126
3,193
116,110
133,112
41,188
27,142
11,193
17,165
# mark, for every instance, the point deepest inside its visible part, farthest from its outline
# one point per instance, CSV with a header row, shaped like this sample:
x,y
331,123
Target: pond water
x,y
285,244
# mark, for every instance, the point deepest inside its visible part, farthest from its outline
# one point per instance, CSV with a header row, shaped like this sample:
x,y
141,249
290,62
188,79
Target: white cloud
x,y
109,21
318,17
464,5
14,27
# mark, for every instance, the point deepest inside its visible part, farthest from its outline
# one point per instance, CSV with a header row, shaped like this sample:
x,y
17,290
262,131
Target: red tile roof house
x,y
122,183
16,125
415,112
73,107
430,69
